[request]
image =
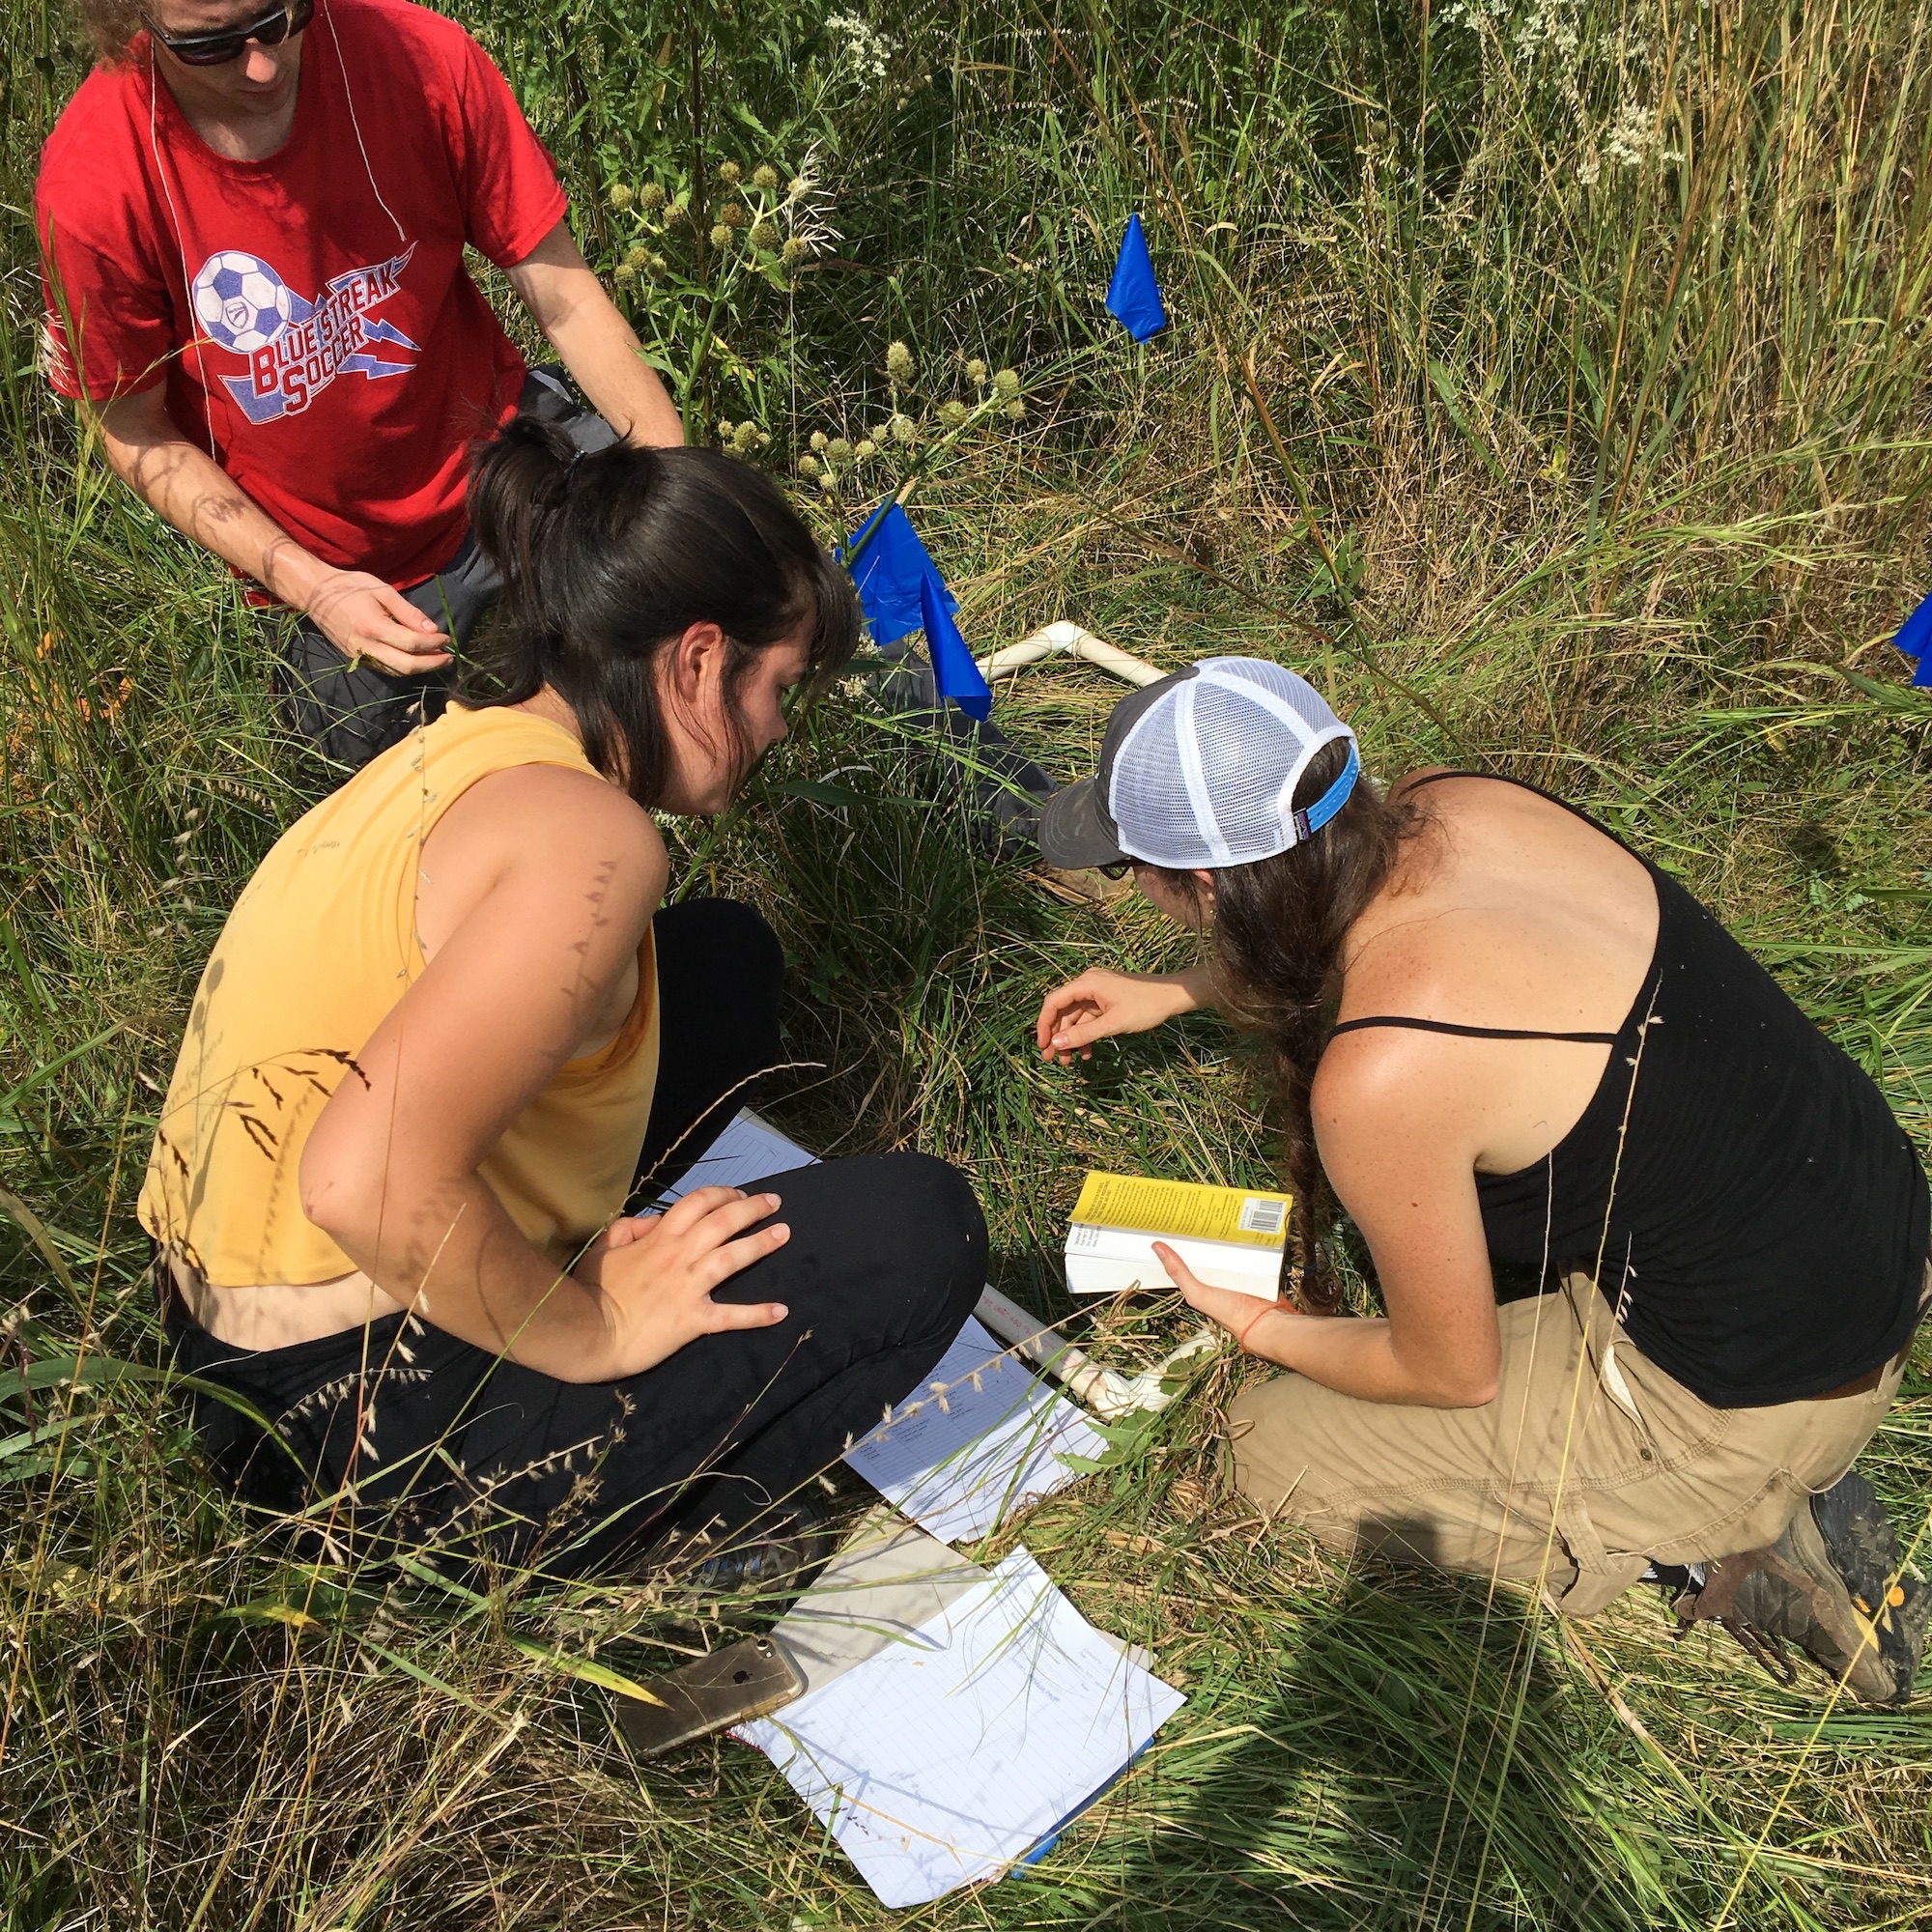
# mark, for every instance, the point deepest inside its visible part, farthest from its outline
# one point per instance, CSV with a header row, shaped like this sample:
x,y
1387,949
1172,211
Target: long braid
x,y
1279,927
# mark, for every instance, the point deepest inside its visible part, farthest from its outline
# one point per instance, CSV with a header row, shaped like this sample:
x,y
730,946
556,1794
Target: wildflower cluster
x,y
753,218
902,438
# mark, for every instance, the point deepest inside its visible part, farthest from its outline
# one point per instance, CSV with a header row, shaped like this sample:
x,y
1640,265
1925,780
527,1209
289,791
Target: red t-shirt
x,y
318,330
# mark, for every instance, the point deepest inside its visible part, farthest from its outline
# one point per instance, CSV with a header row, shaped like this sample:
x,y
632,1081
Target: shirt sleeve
x,y
111,324
511,196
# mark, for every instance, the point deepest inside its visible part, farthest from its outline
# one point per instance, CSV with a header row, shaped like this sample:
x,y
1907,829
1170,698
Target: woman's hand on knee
x,y
654,1274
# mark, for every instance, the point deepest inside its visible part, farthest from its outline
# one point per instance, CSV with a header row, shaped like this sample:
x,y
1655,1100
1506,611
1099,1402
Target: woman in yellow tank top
x,y
447,1033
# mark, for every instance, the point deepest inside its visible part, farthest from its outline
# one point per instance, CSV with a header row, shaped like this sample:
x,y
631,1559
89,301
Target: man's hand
x,y
364,617
654,1274
1099,1004
359,614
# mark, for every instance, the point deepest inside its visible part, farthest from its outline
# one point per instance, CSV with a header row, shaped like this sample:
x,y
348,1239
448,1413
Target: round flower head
x,y
976,372
731,173
898,362
766,235
733,214
905,431
650,197
1015,411
1007,384
624,274
820,440
828,482
793,252
864,447
746,437
721,236
765,176
839,449
622,196
636,256
953,412
808,465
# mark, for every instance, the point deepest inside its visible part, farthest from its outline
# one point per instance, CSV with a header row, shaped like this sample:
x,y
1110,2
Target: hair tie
x,y
576,457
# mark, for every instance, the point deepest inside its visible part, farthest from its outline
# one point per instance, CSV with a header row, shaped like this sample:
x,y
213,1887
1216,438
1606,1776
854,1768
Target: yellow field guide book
x,y
1230,1237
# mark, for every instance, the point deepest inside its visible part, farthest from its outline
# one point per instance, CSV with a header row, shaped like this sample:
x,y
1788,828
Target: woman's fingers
x,y
726,1316
731,1256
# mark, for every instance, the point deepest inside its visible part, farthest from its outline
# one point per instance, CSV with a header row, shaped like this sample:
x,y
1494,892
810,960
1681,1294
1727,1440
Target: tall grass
x,y
1547,380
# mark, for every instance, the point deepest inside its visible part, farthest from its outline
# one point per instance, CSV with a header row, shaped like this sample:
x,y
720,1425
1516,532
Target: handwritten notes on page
x,y
980,1438
955,1750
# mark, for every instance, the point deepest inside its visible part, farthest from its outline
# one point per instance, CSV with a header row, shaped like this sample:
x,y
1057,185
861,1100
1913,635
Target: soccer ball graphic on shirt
x,y
242,301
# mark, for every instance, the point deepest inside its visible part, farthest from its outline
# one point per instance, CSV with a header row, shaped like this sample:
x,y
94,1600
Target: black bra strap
x,y
1473,1033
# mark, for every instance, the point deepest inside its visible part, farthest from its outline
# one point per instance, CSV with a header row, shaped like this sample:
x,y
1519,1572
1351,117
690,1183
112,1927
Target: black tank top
x,y
1761,1218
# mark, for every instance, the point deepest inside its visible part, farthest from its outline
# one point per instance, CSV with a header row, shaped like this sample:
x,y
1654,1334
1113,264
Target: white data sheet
x,y
953,1751
747,1151
981,1437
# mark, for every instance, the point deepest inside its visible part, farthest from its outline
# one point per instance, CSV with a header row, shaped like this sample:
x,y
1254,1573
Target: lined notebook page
x,y
949,1755
981,1438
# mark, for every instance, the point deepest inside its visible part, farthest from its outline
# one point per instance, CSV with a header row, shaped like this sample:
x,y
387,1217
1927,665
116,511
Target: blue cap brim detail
x,y
1308,823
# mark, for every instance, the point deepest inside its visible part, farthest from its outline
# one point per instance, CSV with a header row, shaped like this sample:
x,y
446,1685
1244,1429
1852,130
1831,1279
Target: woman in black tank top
x,y
1510,1047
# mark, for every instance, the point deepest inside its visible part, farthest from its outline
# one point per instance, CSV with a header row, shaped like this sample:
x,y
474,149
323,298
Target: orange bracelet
x,y
1270,1308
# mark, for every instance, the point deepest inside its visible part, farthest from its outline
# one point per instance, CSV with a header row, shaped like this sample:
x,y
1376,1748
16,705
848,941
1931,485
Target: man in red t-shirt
x,y
252,226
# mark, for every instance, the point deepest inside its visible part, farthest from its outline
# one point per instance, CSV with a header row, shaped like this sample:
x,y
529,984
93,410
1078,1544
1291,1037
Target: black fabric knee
x,y
457,1454
720,975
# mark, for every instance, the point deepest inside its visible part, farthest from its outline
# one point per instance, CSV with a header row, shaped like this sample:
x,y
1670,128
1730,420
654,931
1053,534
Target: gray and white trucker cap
x,y
1200,770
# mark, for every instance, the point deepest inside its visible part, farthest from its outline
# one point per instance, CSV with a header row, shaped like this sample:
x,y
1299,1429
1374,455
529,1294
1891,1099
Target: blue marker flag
x,y
953,671
1914,639
1133,296
890,571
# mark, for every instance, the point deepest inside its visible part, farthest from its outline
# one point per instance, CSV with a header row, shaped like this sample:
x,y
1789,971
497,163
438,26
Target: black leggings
x,y
459,1453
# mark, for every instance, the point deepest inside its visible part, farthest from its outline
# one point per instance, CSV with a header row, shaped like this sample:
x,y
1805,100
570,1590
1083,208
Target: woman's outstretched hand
x,y
1100,1002
1237,1313
654,1274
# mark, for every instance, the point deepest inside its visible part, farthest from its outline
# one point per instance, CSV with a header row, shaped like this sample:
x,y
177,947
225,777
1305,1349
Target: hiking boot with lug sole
x,y
1833,1585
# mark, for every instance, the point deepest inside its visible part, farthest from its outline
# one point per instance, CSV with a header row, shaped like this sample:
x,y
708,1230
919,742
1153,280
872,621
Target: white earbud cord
x,y
180,251
354,120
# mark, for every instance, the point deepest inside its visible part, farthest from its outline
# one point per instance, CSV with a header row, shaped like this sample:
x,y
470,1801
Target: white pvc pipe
x,y
1105,1391
1061,639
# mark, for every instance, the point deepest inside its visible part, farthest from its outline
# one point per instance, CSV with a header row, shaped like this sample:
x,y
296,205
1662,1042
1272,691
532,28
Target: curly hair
x,y
110,27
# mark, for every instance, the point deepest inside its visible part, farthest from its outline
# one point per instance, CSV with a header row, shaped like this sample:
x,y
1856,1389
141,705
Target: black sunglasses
x,y
218,49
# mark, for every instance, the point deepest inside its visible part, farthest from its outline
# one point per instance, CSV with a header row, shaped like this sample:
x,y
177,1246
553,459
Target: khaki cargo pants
x,y
1589,1463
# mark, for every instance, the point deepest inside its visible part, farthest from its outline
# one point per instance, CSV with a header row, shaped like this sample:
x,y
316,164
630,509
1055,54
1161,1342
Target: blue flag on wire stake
x,y
1914,639
953,671
1133,296
889,574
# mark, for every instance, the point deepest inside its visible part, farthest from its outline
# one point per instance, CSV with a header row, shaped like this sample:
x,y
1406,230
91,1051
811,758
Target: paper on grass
x,y
981,1438
747,1151
952,1753
887,1580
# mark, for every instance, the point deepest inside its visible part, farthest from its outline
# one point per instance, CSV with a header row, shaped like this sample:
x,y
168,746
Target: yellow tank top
x,y
319,946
